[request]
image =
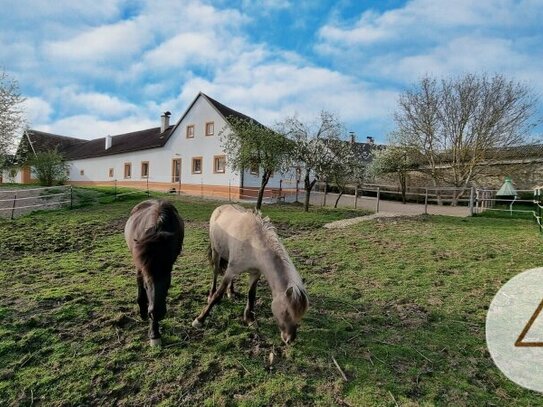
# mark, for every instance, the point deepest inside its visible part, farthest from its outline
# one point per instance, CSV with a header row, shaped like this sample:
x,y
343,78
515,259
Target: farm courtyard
x,y
399,303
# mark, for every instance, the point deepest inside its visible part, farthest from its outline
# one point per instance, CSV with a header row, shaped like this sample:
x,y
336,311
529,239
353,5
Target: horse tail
x,y
155,246
210,254
160,244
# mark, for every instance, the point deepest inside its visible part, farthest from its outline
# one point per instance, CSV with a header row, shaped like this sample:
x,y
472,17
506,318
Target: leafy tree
x,y
311,147
11,115
395,160
49,167
459,124
249,144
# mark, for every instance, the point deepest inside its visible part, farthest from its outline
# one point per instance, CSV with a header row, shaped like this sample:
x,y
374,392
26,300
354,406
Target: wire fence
x,y
538,202
372,197
522,203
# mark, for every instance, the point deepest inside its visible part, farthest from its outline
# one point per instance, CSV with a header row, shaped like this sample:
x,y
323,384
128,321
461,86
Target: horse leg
x,y
216,264
154,333
249,313
230,293
215,298
142,297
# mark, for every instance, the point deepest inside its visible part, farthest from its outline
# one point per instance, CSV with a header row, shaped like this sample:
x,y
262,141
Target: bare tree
x,y
311,149
249,144
11,115
461,124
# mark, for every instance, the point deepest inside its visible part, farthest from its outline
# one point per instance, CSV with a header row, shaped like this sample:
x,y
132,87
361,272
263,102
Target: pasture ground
x,y
399,303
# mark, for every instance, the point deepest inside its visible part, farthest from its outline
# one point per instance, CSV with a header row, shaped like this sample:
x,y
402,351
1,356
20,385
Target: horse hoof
x,y
155,342
197,324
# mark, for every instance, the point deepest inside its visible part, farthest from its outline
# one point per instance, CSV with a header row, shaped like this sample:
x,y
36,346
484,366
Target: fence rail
x,y
32,199
14,202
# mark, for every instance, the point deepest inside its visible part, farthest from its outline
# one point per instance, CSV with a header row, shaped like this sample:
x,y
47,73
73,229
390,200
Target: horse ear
x,y
289,291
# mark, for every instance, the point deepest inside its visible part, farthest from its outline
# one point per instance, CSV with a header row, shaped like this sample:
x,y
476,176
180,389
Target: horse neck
x,y
278,272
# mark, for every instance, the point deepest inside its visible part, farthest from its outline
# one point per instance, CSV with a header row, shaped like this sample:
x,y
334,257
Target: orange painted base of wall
x,y
207,191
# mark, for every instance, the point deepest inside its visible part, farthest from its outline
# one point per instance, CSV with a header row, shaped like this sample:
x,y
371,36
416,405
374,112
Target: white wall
x,y
160,159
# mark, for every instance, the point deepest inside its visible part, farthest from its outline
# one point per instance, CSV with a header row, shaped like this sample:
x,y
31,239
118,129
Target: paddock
x,y
397,313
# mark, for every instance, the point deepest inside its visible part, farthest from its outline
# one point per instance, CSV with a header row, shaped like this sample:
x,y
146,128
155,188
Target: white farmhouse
x,y
185,157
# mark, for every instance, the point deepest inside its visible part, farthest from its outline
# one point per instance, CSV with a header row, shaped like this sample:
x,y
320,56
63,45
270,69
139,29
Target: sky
x,y
89,68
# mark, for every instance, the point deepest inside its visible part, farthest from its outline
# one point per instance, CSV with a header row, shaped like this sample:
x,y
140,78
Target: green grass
x,y
399,303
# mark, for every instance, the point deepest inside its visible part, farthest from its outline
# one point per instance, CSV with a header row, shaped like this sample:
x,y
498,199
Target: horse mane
x,y
297,298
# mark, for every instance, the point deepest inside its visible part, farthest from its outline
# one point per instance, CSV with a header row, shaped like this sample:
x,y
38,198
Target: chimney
x,y
109,141
370,140
352,136
165,122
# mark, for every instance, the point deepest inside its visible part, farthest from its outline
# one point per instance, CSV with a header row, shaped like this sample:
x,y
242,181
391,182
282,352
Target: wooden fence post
x,y
378,198
13,207
325,193
426,202
471,199
355,197
71,197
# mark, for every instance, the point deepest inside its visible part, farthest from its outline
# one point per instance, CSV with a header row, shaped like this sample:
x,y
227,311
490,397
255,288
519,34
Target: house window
x,y
197,165
82,172
190,131
254,169
210,128
111,173
219,164
176,170
145,169
128,170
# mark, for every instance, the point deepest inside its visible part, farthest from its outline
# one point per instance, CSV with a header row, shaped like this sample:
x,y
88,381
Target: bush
x,y
50,168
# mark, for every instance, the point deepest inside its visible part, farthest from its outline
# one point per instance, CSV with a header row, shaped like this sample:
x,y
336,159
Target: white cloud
x,y
437,38
105,43
94,103
37,110
270,90
91,127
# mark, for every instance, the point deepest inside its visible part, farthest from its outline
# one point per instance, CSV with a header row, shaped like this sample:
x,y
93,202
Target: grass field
x,y
399,303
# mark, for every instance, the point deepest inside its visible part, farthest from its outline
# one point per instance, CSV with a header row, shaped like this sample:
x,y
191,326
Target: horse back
x,y
235,231
154,233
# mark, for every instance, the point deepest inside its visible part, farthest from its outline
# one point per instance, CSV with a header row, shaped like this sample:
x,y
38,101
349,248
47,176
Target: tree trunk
x,y
403,185
308,186
264,182
338,198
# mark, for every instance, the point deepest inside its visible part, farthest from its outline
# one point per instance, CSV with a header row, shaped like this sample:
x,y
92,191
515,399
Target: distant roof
x,y
520,152
121,143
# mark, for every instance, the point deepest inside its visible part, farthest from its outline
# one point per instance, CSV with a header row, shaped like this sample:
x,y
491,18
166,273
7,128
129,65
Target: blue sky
x,y
94,67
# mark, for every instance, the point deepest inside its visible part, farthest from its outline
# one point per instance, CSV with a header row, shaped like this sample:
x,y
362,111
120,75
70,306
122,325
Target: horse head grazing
x,y
243,241
288,309
154,233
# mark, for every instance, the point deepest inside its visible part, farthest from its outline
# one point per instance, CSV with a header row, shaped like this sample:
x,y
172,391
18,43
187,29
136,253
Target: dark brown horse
x,y
242,241
154,234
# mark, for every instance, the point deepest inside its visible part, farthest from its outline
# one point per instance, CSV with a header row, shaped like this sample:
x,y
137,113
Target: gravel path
x,y
353,221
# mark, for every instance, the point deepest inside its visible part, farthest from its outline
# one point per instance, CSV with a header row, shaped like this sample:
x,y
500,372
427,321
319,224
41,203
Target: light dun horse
x,y
241,241
154,234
